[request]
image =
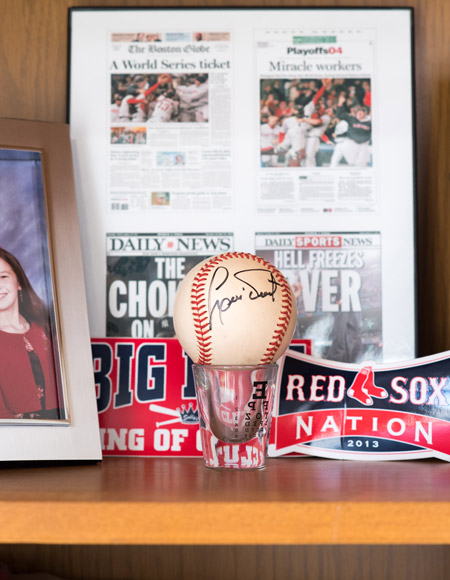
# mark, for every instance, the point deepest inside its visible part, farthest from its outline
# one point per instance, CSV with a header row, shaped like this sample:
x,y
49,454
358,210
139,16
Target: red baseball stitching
x,y
283,318
200,308
200,311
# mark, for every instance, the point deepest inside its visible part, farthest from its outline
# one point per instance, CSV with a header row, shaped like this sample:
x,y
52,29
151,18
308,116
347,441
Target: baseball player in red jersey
x,y
166,108
269,134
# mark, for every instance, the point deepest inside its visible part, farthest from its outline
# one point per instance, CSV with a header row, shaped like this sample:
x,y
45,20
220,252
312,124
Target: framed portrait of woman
x,y
47,393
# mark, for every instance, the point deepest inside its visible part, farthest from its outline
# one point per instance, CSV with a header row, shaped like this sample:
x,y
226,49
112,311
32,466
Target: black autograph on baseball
x,y
220,278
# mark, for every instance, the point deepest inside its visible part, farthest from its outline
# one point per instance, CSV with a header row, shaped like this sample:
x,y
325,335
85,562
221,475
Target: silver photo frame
x,y
47,395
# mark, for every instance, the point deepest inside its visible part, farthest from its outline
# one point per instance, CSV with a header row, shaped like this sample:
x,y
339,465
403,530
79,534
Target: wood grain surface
x,y
230,562
131,518
312,519
186,481
307,501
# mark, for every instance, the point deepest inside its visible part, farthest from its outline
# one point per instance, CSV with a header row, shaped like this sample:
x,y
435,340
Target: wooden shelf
x,y
294,501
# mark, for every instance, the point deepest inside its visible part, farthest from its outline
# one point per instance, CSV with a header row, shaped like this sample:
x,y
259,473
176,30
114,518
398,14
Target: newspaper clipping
x,y
143,274
315,117
170,121
336,278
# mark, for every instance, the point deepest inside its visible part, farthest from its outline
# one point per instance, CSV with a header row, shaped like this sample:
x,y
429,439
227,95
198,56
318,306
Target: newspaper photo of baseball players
x,y
128,135
163,98
316,122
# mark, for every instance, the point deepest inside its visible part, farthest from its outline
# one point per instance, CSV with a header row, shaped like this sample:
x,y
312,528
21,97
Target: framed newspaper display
x,y
286,132
47,397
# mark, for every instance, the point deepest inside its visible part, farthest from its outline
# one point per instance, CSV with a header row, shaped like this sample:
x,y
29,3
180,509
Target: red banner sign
x,y
146,397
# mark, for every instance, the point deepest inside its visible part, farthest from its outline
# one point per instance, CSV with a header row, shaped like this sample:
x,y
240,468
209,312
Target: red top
x,y
18,391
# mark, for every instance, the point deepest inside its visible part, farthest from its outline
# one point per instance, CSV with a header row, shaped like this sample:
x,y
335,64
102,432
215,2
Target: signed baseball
x,y
234,309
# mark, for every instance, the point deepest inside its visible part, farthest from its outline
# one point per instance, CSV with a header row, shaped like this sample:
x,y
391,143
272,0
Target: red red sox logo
x,y
363,389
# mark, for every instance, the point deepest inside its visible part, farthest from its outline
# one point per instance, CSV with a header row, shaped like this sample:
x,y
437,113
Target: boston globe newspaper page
x,y
282,132
170,103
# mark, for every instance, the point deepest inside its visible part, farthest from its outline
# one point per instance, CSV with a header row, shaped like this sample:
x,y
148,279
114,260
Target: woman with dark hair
x,y
28,385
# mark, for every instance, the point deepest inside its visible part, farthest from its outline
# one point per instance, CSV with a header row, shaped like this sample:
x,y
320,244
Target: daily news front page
x,y
202,131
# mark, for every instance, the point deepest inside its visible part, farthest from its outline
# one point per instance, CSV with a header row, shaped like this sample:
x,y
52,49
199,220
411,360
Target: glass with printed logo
x,y
235,409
